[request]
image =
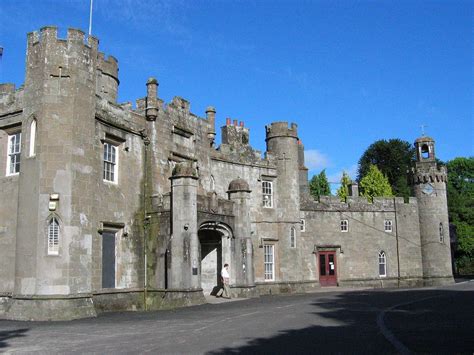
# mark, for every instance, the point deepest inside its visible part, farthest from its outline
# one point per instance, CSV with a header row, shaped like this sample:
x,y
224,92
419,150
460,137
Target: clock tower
x,y
429,183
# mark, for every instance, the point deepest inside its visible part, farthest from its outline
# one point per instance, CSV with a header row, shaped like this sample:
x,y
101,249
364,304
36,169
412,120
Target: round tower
x,y
429,182
282,145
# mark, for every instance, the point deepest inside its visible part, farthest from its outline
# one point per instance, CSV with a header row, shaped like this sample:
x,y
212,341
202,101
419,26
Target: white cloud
x,y
315,160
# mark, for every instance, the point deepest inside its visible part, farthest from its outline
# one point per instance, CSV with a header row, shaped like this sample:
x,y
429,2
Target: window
x,y
344,225
302,225
382,264
441,233
53,237
32,138
267,192
269,262
292,237
388,226
212,184
14,149
110,162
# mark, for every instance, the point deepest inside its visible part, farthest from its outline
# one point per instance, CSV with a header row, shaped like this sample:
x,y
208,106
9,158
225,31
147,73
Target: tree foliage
x,y
343,190
394,158
319,185
375,184
460,189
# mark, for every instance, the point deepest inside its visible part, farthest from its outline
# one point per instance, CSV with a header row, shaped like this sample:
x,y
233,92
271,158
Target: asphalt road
x,y
434,320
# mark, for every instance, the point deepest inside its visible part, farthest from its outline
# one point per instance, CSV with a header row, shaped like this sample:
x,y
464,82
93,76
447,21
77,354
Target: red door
x,y
327,268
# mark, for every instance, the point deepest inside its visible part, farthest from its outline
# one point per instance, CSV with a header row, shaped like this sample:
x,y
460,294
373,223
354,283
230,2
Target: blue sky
x,y
348,72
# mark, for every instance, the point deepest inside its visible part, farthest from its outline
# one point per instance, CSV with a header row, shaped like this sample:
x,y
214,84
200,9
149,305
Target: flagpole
x,y
90,19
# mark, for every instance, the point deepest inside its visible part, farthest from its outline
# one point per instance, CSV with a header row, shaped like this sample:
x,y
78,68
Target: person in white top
x,y
225,280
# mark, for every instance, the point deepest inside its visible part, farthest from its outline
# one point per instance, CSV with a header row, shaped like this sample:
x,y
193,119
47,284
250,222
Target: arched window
x,y
382,264
212,184
441,233
33,138
292,237
425,151
53,236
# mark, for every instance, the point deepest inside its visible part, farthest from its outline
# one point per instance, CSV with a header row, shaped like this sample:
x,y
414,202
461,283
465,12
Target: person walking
x,y
226,280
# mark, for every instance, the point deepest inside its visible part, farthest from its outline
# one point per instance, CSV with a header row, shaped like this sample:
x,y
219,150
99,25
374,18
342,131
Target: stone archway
x,y
215,241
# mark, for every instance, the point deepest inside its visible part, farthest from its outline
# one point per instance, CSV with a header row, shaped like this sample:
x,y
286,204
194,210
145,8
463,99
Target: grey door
x,y
108,260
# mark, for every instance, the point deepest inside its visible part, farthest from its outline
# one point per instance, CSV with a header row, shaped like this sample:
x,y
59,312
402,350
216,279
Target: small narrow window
x,y
212,184
292,237
344,225
441,233
14,152
33,138
269,265
302,225
53,237
388,226
382,264
110,162
267,193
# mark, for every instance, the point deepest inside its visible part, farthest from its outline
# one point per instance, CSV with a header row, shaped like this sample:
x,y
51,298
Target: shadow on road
x,y
425,321
5,335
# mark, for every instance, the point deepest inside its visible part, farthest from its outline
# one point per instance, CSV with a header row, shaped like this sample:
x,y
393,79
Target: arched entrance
x,y
215,241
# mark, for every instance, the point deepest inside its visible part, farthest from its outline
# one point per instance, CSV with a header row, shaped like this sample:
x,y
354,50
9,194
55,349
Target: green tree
x,y
343,190
394,158
460,188
375,184
319,185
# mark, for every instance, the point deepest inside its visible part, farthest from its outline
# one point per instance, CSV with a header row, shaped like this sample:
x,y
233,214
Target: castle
x,y
106,207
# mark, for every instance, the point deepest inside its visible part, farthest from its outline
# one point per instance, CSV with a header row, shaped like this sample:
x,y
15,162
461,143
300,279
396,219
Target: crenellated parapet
x,y
47,41
281,129
357,204
431,175
108,66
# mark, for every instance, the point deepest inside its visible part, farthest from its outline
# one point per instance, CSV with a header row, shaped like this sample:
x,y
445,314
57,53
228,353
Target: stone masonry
x,y
108,207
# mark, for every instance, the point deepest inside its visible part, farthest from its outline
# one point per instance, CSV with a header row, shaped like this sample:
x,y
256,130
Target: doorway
x,y
211,259
327,268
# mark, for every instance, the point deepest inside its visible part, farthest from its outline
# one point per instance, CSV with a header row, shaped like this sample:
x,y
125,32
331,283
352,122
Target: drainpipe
x,y
146,219
396,237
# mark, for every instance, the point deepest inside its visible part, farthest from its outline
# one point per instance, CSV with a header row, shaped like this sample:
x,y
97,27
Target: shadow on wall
x,y
9,334
423,322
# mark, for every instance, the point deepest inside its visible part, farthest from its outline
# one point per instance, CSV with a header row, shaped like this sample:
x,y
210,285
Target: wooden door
x,y
327,268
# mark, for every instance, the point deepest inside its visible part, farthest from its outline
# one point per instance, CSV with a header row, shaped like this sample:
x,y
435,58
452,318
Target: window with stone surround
x,y
269,262
382,264
292,237
344,225
441,233
267,194
388,226
110,173
14,153
303,225
53,236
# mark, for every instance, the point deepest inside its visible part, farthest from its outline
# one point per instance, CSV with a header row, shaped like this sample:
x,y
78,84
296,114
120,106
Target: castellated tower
x,y
62,79
282,146
429,182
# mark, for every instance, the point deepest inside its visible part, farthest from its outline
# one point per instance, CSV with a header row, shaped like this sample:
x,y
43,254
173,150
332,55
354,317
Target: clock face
x,y
428,189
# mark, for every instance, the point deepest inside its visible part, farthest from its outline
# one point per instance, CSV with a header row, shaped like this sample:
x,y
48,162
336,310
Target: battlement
x,y
108,66
281,129
434,174
48,35
357,204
